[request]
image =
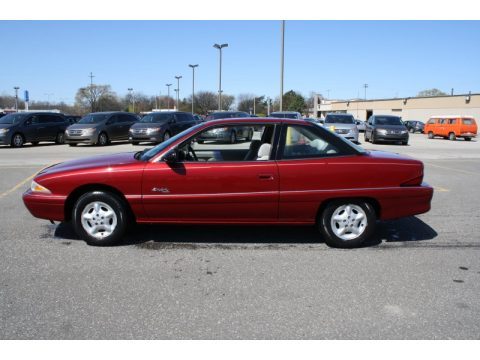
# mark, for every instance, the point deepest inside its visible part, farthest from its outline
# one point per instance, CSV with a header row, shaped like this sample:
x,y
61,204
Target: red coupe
x,y
292,172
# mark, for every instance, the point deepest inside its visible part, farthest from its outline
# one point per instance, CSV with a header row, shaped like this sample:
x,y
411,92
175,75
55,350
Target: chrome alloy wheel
x,y
348,222
98,219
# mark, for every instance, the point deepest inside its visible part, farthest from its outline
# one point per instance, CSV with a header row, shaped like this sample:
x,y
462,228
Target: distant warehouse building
x,y
409,108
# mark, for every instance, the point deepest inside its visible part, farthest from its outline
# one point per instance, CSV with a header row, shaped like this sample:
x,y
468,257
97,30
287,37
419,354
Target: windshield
x,y
157,118
339,119
388,120
93,119
162,146
11,118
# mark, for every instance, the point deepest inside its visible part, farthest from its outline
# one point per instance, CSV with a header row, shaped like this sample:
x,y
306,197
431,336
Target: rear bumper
x,y
468,135
407,201
49,207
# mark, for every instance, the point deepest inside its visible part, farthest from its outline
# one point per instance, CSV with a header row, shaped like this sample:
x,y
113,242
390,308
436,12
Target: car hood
x,y
83,126
148,125
94,162
341,126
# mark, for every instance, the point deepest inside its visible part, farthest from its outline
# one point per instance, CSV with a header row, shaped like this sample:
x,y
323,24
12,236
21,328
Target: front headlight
x,y
152,130
89,131
404,131
3,131
381,131
36,187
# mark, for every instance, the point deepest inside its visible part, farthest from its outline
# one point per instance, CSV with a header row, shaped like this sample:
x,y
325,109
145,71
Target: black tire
x,y
72,144
233,137
102,139
365,137
166,136
35,143
60,138
467,139
135,142
430,135
373,140
100,197
17,140
326,227
452,136
200,141
404,142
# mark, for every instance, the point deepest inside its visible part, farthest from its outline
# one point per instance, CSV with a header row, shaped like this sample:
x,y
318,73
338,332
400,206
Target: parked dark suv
x,y
414,125
100,128
17,129
159,126
231,134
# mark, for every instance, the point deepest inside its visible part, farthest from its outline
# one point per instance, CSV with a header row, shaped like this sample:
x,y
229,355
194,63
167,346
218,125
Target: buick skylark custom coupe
x,y
291,172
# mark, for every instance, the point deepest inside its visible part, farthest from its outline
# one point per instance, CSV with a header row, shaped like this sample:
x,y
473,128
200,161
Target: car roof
x,y
259,120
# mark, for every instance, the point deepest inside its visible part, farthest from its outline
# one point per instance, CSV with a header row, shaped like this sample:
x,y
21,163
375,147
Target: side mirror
x,y
171,157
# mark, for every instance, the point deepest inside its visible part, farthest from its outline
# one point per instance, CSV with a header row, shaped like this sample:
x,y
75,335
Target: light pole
x,y
282,53
16,97
48,99
132,96
220,47
168,95
178,89
193,83
365,86
254,105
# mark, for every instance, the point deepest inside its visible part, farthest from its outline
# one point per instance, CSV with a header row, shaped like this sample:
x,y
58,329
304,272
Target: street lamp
x,y
178,89
282,55
193,83
168,95
220,47
365,86
16,98
132,96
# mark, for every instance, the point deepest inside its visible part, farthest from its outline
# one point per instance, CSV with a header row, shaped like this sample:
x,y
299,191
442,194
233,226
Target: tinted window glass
x,y
388,120
12,118
452,121
339,119
93,119
303,142
468,122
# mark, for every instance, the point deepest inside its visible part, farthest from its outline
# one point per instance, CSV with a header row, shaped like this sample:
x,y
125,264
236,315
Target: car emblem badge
x,y
162,190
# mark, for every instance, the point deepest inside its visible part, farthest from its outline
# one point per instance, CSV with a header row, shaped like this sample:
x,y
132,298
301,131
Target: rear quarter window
x,y
468,121
431,121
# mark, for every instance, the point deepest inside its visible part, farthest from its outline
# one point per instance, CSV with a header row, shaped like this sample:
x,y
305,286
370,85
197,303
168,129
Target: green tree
x,y
294,102
431,92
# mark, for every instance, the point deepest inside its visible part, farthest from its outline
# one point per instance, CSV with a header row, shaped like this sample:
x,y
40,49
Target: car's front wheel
x,y
347,223
102,139
100,218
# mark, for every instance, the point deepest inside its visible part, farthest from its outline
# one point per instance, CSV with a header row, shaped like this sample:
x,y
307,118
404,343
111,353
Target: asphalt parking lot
x,y
419,278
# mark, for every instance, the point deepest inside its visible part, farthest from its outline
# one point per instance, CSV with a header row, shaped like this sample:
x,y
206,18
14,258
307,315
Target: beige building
x,y
410,108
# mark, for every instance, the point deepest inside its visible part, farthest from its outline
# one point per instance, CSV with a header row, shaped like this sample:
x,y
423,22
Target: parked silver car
x,y
342,124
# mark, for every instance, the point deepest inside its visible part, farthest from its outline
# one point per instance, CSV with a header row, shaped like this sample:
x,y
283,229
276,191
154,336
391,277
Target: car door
x,y
368,128
125,121
212,191
112,126
307,178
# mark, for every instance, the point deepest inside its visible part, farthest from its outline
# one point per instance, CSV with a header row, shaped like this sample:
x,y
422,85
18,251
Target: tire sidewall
x,y
14,144
115,203
331,239
100,143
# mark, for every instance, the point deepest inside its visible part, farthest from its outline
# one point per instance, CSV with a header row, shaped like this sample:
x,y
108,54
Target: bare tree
x,y
90,96
227,101
206,101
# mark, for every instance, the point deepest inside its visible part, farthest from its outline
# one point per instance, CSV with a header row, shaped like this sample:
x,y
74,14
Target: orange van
x,y
451,127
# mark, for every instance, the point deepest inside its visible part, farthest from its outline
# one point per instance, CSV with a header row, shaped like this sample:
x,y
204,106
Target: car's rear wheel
x,y
18,140
35,143
60,138
404,142
72,144
100,218
347,223
102,139
135,142
430,135
452,136
467,139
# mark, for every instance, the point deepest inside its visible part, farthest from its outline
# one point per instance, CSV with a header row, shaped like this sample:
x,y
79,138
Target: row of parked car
x,y
101,128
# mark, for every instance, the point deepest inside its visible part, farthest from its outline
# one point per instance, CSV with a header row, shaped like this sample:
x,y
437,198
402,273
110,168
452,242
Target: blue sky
x,y
395,58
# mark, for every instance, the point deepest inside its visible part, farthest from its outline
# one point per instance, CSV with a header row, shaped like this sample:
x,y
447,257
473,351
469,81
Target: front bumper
x,y
155,137
43,206
5,140
220,136
391,137
90,139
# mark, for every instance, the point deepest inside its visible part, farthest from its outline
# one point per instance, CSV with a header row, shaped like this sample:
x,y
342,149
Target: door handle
x,y
265,176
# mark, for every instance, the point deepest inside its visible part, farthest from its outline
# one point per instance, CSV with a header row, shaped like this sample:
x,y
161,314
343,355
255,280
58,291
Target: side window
x,y
46,119
58,119
452,121
112,120
182,117
125,118
226,143
467,121
34,120
431,121
442,121
302,142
